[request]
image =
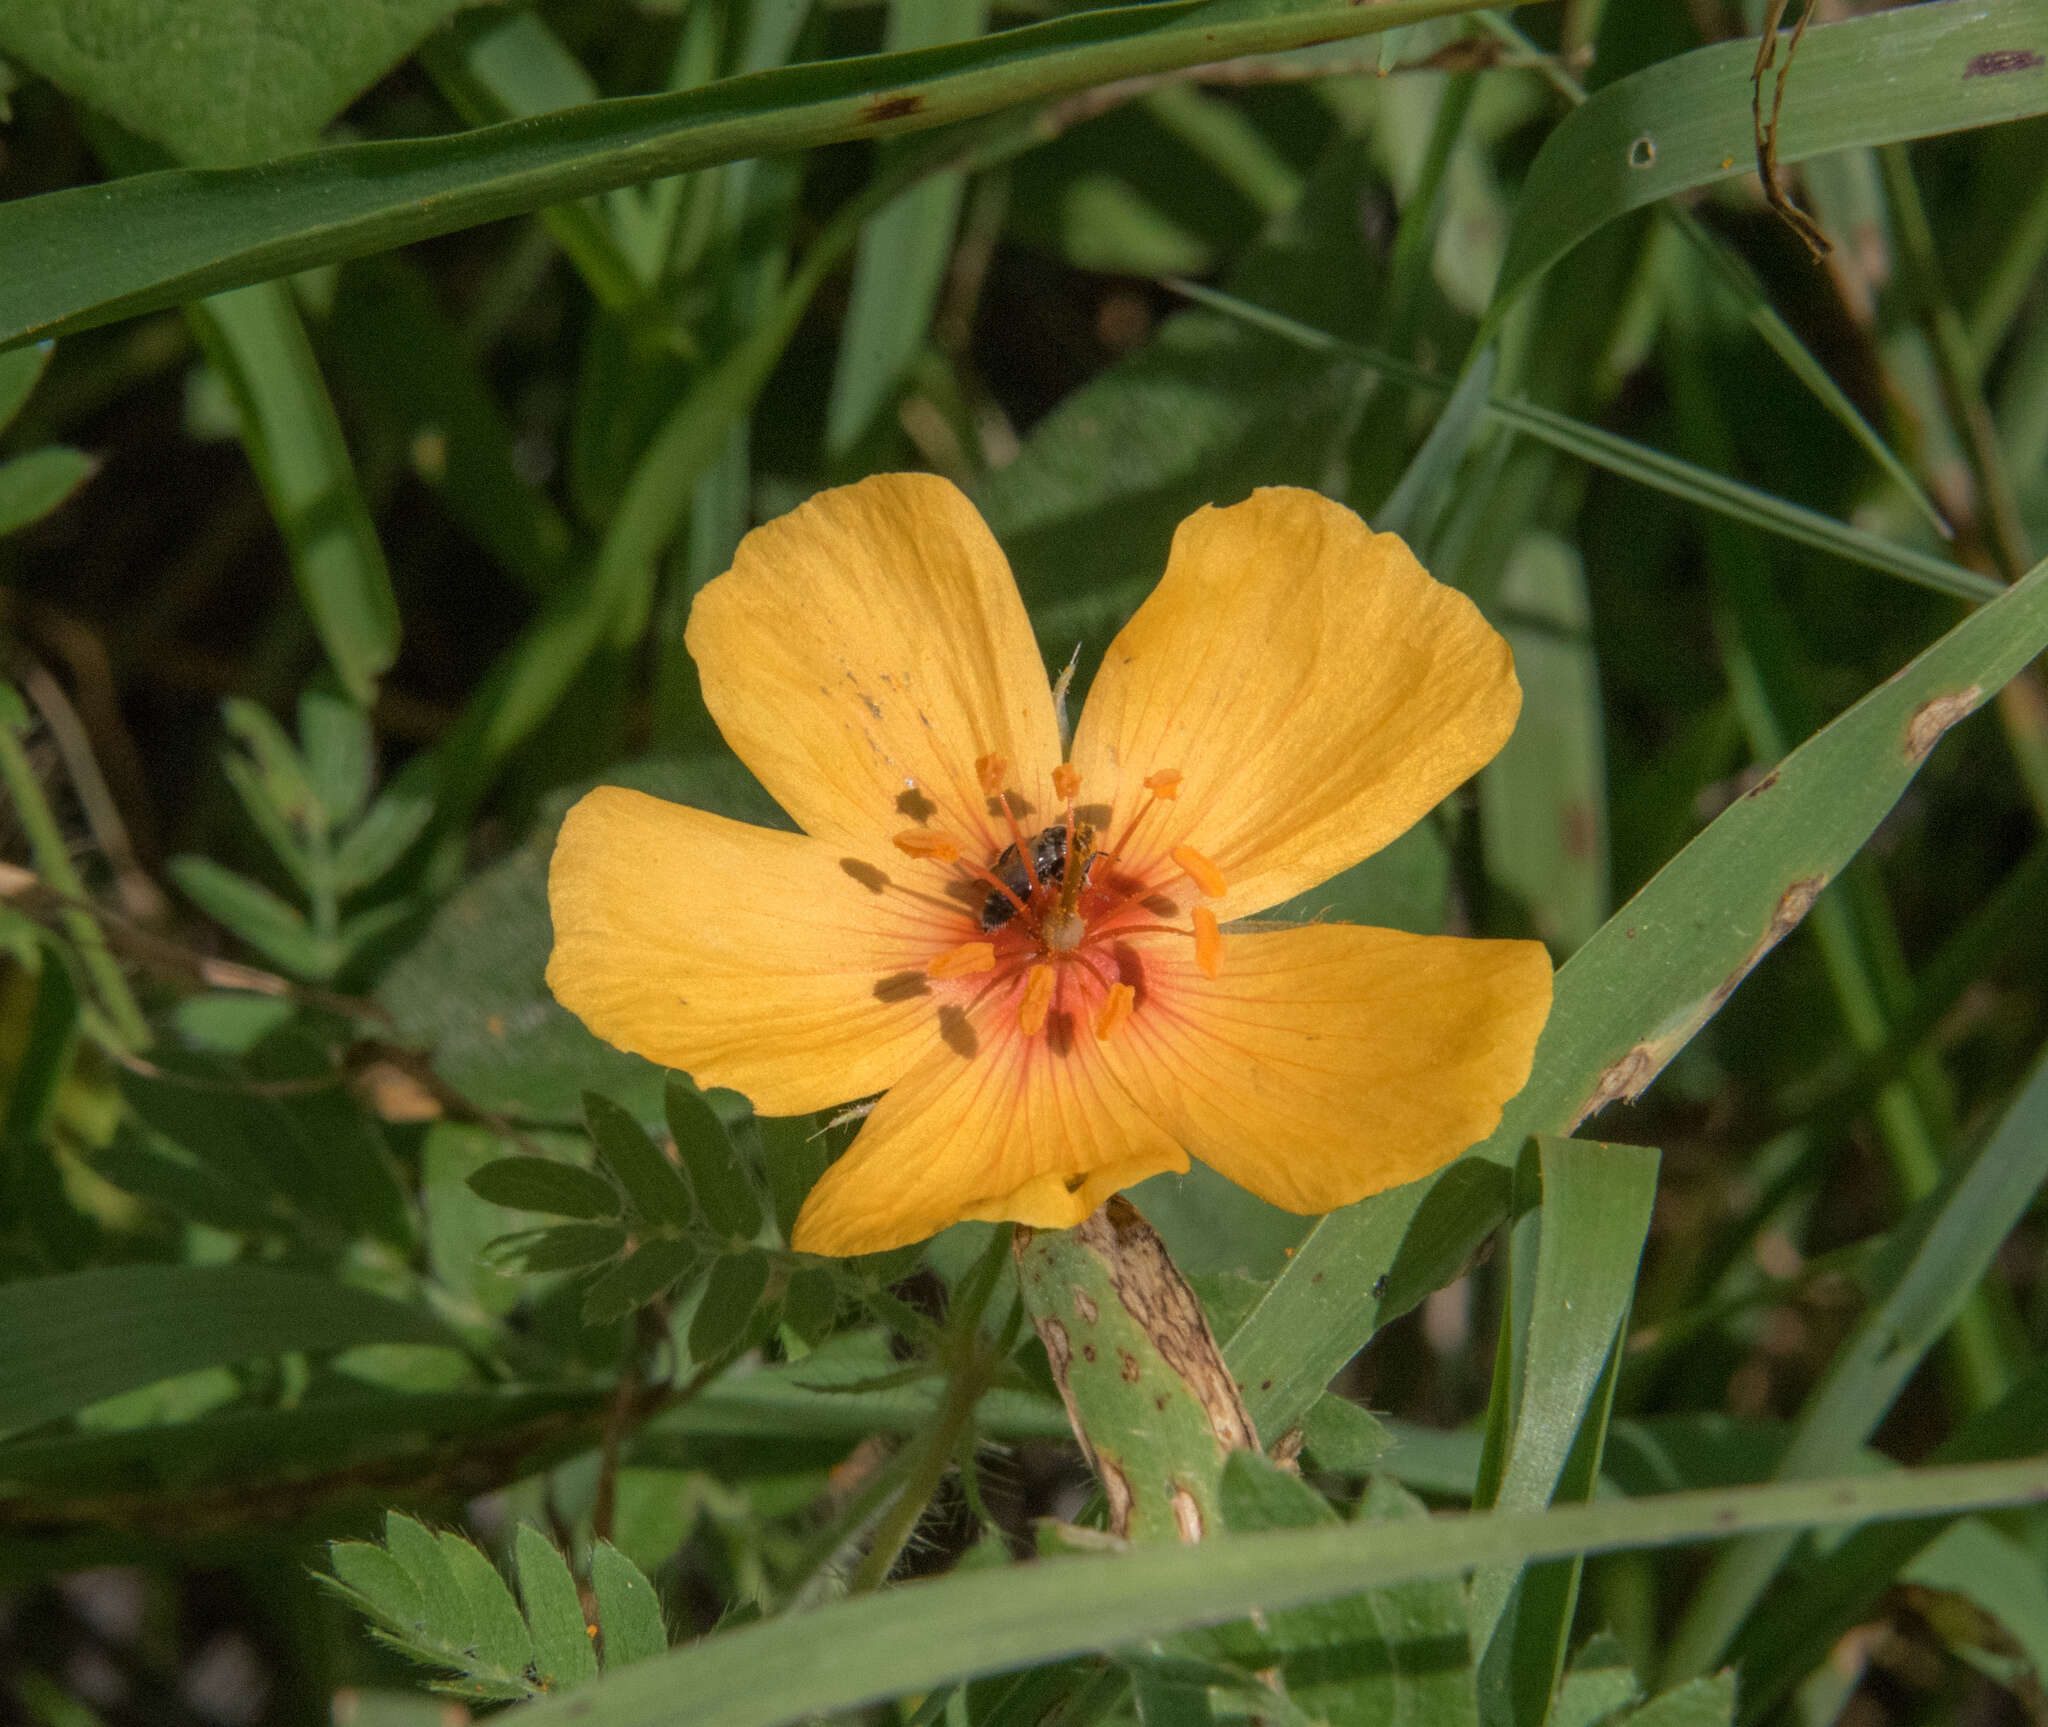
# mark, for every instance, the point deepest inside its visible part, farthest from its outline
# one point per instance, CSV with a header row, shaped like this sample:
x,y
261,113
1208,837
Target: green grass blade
x,y
34,484
494,66
112,251
1635,994
1843,1588
1926,1273
902,257
1543,800
1685,122
256,341
1736,275
1623,456
1591,1226
72,1340
45,1059
926,1634
19,373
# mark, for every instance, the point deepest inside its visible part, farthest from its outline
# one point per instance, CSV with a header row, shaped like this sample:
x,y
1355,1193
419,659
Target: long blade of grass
x,y
112,251
1634,995
257,343
1736,276
902,258
1909,72
1586,1242
1623,456
922,1635
69,1341
1927,1272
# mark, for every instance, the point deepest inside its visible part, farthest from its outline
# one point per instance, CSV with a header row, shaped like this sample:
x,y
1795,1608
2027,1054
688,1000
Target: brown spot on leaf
x,y
1088,1353
1084,1304
1932,718
1187,1515
1287,1450
1626,1079
1997,60
1127,1365
1763,785
1116,1488
892,108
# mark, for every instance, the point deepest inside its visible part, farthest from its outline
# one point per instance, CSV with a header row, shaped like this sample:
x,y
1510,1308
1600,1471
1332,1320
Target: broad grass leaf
x,y
216,81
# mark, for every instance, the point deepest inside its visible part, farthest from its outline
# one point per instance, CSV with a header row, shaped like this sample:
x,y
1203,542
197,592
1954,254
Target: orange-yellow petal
x,y
1331,1062
768,962
1030,1130
1315,689
864,652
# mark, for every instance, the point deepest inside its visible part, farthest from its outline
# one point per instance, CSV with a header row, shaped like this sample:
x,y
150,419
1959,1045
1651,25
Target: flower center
x,y
1061,923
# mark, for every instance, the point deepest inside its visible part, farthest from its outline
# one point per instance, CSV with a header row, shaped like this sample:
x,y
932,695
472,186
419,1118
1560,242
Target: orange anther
x,y
1066,780
1208,942
1164,784
1115,1010
964,960
1037,1002
1201,871
923,843
990,770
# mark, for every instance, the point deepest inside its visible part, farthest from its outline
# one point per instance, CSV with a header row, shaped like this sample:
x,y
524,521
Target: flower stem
x,y
53,861
971,1368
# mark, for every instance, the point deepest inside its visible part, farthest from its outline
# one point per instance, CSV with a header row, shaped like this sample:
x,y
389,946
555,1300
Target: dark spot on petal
x,y
1074,1183
901,986
957,1034
865,873
916,805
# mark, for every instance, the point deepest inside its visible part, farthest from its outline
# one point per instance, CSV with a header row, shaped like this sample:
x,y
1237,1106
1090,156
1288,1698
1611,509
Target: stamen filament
x,y
1024,847
1164,785
1037,1002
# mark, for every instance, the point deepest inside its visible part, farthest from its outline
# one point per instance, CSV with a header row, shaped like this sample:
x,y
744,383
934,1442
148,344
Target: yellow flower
x,y
1041,961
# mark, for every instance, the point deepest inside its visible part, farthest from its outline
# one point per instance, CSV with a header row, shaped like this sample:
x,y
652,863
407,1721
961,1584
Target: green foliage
x,y
310,801
37,481
388,555
436,1598
157,65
